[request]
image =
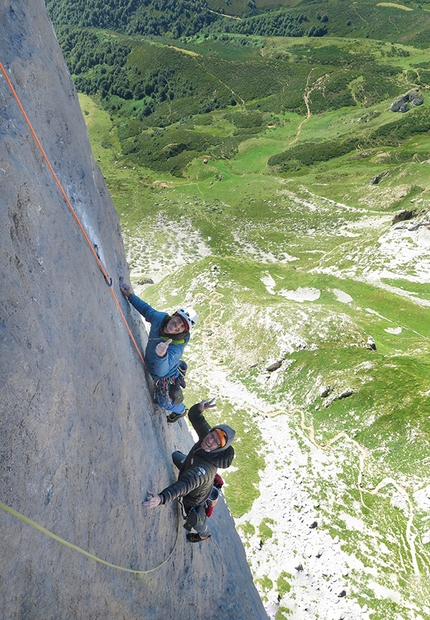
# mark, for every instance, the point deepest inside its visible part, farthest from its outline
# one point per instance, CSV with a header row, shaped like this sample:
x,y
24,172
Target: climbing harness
x,y
108,279
163,384
168,390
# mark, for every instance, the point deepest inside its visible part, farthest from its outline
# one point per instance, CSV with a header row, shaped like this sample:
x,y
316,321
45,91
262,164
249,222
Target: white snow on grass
x,y
393,330
300,294
269,283
177,244
342,297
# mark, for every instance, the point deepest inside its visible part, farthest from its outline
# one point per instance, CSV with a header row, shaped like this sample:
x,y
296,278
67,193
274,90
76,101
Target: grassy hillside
x,y
266,181
300,268
208,99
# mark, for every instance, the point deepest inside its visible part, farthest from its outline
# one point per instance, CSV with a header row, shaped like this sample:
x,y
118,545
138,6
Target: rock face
x,y
80,440
403,216
378,177
412,98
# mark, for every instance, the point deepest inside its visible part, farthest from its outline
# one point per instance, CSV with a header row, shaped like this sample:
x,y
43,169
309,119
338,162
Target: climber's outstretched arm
x,y
152,501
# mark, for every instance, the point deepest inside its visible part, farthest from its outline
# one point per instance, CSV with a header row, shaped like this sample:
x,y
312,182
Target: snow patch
x,y
269,283
393,330
342,297
301,294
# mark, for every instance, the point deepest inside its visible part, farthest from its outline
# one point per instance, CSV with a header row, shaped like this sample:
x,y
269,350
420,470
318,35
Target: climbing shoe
x,y
172,417
194,538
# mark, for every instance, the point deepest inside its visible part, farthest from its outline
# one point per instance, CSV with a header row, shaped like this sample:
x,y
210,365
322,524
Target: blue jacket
x,y
159,367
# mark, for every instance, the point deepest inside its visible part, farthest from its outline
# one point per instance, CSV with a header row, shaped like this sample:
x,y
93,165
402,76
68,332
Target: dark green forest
x,y
160,67
146,17
177,19
98,64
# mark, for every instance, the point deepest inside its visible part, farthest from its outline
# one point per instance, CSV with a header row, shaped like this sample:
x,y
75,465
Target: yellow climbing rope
x,y
42,529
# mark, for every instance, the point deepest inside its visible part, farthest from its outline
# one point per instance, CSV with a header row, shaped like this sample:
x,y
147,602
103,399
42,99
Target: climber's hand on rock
x,y
152,500
207,404
161,348
126,290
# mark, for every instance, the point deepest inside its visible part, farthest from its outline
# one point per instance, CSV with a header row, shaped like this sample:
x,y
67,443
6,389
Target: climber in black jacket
x,y
197,471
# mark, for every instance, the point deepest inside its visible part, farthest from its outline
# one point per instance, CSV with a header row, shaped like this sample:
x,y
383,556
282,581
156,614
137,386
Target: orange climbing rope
x,y
108,281
73,212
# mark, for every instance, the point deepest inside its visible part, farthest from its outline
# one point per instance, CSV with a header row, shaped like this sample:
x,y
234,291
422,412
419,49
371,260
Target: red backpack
x,y
214,496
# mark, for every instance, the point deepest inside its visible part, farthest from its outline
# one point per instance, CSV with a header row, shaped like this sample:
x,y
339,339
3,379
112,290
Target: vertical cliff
x,y
80,440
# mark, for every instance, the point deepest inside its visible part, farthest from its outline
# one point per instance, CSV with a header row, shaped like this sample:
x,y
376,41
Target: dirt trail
x,y
363,454
306,97
225,15
358,14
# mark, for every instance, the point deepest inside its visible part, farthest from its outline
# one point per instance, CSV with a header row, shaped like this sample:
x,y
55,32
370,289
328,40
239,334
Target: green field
x,y
266,216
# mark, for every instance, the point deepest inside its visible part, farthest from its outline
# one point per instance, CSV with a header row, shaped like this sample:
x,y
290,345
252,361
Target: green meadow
x,y
264,213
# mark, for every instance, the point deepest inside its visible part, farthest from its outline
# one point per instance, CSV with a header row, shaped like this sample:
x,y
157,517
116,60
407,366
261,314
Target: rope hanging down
x,y
25,519
108,280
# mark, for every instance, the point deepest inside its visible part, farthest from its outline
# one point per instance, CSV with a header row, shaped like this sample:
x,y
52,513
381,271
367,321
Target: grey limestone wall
x,y
80,441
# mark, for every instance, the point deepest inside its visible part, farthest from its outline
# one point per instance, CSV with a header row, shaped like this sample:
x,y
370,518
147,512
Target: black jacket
x,y
197,474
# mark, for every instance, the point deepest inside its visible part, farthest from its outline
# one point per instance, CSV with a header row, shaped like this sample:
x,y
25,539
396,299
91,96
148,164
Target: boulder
x,y
403,216
401,104
378,177
274,366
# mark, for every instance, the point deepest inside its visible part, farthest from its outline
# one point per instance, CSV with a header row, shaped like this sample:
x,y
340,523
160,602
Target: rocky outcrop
x,y
80,441
379,177
404,102
274,366
407,214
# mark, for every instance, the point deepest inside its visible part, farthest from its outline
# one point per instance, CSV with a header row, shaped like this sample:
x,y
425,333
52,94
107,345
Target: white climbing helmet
x,y
189,315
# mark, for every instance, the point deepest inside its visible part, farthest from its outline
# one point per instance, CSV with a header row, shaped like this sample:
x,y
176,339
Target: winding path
x,y
306,98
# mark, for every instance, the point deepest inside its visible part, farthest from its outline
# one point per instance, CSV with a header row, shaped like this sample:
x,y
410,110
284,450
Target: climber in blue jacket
x,y
167,339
